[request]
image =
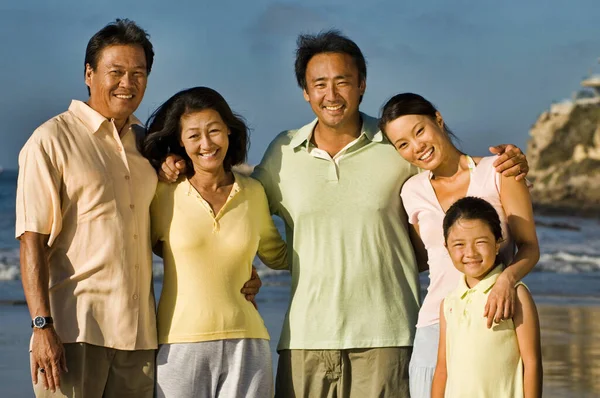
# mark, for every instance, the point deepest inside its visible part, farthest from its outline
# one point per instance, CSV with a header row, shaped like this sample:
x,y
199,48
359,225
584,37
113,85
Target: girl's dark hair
x,y
472,208
408,104
164,127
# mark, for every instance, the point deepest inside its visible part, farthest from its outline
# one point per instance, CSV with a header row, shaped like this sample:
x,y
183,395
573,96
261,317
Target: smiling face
x,y
333,89
118,84
472,248
420,139
205,138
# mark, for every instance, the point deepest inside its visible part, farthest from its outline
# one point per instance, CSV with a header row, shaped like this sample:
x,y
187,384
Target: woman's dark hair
x,y
472,208
408,104
164,127
120,32
329,41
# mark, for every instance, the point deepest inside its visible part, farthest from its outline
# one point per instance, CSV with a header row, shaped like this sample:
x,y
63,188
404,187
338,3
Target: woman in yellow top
x,y
474,361
208,227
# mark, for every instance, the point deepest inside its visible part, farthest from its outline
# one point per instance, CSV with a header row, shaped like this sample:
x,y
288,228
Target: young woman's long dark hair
x,y
164,127
408,104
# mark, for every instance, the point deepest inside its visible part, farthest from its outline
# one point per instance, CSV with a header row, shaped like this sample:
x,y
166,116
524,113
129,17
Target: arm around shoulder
x,y
516,201
517,205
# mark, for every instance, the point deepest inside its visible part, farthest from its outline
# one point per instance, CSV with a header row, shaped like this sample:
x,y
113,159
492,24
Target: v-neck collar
x,y
472,169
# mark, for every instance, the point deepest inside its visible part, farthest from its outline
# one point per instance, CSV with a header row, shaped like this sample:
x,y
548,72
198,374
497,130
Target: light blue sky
x,y
490,66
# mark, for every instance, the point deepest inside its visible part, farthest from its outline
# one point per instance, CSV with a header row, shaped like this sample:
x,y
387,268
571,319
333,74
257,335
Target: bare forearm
x,y
532,380
526,258
438,388
35,273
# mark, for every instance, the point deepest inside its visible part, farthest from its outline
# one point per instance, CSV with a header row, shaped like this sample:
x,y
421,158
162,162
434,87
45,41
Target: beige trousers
x,y
352,373
100,372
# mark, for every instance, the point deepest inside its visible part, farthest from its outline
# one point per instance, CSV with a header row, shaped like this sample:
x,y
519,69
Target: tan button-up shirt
x,y
90,190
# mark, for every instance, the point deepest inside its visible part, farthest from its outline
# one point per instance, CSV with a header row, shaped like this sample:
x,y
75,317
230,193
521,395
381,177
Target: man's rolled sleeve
x,y
38,206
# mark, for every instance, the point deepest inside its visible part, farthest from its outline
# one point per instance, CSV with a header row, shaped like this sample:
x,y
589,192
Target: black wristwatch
x,y
40,322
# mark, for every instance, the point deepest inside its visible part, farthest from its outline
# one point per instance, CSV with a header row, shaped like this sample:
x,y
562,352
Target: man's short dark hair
x,y
119,32
329,41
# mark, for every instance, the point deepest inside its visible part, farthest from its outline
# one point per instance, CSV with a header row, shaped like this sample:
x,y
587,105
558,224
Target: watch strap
x,y
48,321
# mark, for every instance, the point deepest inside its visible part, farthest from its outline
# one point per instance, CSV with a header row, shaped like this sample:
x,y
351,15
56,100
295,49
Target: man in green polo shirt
x,y
335,182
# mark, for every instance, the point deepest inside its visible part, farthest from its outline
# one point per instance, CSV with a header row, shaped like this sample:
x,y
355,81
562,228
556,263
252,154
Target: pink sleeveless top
x,y
423,208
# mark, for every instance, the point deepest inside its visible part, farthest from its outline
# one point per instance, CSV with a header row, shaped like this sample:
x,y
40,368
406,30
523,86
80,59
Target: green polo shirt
x,y
354,275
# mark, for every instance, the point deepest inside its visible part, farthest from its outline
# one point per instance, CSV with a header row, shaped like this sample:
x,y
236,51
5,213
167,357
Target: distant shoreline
x,y
12,302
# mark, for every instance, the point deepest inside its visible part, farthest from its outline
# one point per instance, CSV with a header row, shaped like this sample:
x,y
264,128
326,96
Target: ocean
x,y
565,285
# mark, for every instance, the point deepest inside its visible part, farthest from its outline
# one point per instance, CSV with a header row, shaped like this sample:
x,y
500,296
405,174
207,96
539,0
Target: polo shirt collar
x,y
483,286
370,129
92,119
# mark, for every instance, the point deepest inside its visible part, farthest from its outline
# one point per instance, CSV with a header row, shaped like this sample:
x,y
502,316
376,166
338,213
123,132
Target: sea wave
x,y
9,272
561,262
565,262
9,265
10,269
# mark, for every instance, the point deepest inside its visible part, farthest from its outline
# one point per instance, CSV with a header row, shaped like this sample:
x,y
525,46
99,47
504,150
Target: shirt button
x,y
127,177
119,149
132,206
135,296
134,236
137,266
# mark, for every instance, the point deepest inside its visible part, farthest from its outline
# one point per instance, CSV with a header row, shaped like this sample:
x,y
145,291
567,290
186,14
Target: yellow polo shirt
x,y
208,258
481,362
90,190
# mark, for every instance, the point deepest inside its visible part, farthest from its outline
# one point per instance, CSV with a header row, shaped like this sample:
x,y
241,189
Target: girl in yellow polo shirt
x,y
474,361
208,227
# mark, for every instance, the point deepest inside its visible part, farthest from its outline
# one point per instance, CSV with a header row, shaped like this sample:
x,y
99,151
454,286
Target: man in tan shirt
x,y
83,199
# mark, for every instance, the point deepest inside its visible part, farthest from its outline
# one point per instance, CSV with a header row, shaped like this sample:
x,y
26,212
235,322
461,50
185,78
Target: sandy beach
x,y
570,343
571,349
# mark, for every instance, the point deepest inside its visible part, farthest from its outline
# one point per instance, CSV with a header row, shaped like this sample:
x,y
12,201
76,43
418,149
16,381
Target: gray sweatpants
x,y
222,368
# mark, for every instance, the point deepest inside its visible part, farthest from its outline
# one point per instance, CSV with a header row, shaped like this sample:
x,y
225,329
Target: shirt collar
x,y
484,285
92,119
370,129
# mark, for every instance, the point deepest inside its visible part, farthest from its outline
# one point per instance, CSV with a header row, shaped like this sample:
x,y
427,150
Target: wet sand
x,y
570,349
570,343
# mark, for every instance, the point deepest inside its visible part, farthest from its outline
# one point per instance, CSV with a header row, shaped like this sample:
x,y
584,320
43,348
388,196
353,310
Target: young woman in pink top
x,y
417,130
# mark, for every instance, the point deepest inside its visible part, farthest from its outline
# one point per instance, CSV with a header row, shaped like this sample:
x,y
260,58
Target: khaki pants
x,y
96,372
360,373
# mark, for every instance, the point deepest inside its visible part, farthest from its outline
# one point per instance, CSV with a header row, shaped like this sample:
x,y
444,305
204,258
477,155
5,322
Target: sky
x,y
491,67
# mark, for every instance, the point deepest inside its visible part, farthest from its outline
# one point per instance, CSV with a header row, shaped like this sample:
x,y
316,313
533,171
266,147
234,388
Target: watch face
x,y
39,322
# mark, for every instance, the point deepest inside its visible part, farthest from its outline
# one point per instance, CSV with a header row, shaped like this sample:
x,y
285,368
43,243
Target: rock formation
x,y
564,157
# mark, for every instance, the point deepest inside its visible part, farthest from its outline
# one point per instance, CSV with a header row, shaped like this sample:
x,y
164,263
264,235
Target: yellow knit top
x,y
208,258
